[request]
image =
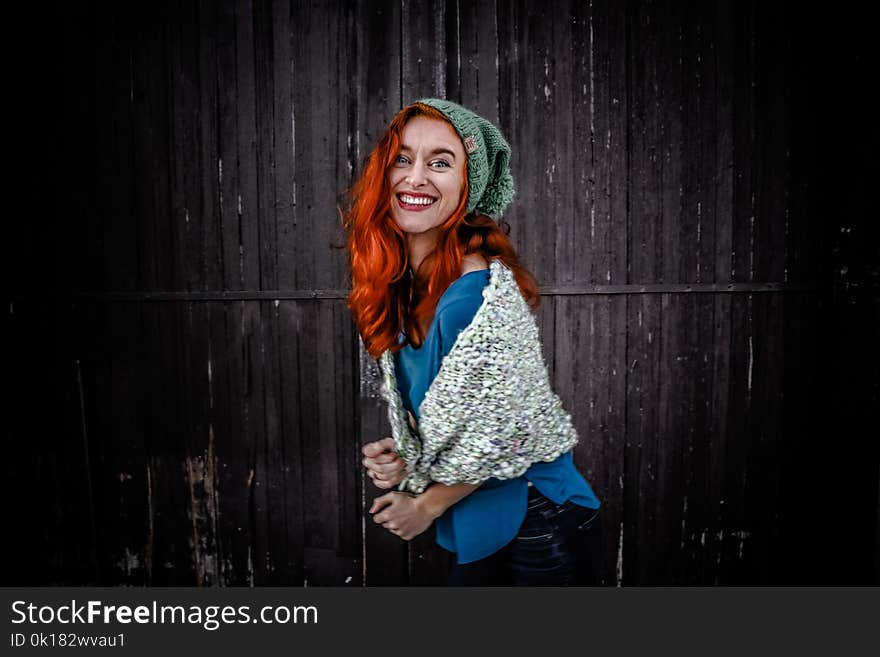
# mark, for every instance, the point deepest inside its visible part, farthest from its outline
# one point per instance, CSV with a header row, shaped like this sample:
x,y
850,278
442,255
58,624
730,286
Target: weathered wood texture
x,y
211,436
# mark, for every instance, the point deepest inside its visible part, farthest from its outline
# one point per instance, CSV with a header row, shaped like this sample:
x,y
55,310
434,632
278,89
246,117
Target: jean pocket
x,y
534,529
534,540
586,519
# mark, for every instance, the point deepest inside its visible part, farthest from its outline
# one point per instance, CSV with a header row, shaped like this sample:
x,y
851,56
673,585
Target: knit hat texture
x,y
489,179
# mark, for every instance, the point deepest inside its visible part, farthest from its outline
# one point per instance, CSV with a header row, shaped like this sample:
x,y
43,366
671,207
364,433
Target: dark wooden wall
x,y
190,395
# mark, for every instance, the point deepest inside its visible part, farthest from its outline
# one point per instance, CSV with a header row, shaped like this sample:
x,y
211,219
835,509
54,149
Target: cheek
x,y
453,191
393,179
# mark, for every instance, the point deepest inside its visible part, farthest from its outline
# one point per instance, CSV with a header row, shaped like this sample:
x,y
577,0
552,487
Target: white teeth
x,y
416,200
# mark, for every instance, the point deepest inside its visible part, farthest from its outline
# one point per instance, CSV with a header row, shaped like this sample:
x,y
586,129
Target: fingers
x,y
374,449
398,532
371,450
384,467
384,457
384,485
380,503
381,483
387,443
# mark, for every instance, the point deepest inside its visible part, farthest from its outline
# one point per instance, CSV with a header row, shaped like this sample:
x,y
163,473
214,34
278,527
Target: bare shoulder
x,y
473,262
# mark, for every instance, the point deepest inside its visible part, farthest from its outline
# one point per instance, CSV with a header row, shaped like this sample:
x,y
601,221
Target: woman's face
x,y
427,175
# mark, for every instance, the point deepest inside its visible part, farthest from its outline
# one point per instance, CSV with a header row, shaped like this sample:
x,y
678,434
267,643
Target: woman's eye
x,y
401,159
440,164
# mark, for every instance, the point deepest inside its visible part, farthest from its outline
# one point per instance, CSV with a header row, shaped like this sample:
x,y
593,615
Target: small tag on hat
x,y
470,144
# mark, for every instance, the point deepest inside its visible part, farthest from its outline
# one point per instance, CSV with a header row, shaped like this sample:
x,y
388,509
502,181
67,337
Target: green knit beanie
x,y
489,178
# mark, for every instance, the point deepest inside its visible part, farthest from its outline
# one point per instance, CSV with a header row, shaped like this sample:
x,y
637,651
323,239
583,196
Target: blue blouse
x,y
490,517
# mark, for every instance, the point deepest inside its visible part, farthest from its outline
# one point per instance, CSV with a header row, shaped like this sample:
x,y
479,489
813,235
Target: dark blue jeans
x,y
557,545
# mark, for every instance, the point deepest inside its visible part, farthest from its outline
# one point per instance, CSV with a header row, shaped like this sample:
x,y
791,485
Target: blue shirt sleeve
x,y
453,318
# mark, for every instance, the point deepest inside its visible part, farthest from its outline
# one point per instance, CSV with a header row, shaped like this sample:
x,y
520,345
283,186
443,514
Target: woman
x,y
481,446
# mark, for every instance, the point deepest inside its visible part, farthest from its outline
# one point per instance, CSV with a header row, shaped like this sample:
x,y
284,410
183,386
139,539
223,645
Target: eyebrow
x,y
436,151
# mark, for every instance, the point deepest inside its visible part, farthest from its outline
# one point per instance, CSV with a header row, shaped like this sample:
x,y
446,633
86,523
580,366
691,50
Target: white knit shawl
x,y
490,411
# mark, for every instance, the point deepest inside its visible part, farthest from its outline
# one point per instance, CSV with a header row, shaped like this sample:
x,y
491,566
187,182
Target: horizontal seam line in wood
x,y
574,290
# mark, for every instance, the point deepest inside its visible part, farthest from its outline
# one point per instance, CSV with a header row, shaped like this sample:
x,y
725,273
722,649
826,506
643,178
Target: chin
x,y
413,226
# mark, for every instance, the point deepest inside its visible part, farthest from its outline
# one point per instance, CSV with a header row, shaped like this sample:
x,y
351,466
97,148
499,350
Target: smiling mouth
x,y
415,203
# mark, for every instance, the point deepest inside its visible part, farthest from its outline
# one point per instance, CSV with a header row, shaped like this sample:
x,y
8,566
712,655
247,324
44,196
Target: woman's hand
x,y
408,515
401,514
384,466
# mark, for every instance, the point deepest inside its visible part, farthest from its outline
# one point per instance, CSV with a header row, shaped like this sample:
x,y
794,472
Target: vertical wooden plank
x,y
332,549
272,565
210,164
721,122
671,391
182,107
112,240
423,56
643,312
235,472
740,414
350,549
758,534
701,182
66,548
290,71
804,257
144,210
256,436
718,432
248,144
712,107
188,376
772,134
675,253
319,118
769,234
472,59
290,328
530,73
568,147
180,476
742,74
121,427
120,251
93,373
386,561
264,126
696,461
640,493
316,486
322,444
353,545
738,422
588,379
379,69
579,242
159,145
608,233
229,181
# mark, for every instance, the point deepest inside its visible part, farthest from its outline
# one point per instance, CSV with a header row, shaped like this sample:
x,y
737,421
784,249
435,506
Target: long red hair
x,y
386,297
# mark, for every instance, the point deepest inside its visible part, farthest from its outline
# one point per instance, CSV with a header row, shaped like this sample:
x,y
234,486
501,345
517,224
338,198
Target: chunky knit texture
x,y
489,177
490,411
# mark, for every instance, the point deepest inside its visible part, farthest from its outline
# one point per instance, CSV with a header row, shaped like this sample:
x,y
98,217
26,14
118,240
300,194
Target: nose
x,y
416,176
